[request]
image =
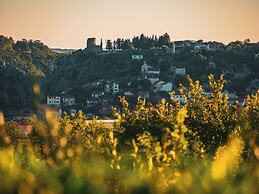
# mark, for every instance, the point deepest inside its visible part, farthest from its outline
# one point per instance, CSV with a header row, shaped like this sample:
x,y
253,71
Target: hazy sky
x,y
67,23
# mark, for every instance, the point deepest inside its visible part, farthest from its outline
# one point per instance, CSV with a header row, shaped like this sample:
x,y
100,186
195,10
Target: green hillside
x,y
84,67
30,57
20,62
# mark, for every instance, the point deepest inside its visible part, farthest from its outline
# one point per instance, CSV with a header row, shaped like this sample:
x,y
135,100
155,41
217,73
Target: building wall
x,y
137,57
91,42
53,101
180,71
166,87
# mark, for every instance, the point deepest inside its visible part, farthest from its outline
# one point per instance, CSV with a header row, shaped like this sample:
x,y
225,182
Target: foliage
x,y
140,42
32,57
161,148
20,63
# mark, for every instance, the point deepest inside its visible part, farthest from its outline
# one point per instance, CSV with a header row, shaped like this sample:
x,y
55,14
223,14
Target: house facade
x,y
54,101
166,87
144,68
153,70
137,57
149,72
68,100
112,88
180,71
162,86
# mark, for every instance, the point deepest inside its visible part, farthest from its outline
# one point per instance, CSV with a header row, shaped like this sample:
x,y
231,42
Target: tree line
x,y
139,42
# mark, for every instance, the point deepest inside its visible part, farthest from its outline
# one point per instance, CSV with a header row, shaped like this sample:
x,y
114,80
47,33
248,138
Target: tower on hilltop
x,y
91,42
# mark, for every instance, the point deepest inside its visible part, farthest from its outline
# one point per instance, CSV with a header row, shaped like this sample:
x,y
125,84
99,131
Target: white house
x,y
166,87
180,71
153,70
148,69
53,101
97,94
144,68
68,100
163,86
112,88
137,57
150,73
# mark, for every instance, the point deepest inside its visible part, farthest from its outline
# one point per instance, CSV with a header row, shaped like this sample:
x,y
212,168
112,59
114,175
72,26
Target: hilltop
x,y
28,56
21,61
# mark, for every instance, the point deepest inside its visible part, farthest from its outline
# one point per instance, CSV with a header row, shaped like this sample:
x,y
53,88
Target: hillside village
x,y
153,80
92,79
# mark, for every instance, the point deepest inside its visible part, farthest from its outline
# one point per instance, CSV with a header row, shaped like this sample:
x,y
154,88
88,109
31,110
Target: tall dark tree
x,y
118,43
156,41
126,45
101,45
164,40
142,41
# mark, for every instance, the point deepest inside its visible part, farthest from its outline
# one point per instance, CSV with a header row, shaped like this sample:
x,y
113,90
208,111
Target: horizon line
x,y
105,39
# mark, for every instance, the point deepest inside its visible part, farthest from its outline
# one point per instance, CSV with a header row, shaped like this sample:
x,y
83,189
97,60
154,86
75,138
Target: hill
x,y
77,72
21,61
29,57
85,67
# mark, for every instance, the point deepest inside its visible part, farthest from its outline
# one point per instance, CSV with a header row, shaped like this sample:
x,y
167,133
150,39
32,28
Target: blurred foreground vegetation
x,y
205,146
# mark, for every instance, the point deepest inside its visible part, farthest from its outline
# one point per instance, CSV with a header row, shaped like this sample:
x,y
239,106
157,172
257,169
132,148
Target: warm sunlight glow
x,y
67,23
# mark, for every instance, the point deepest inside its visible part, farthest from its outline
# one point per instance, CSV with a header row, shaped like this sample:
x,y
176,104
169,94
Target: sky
x,y
68,23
